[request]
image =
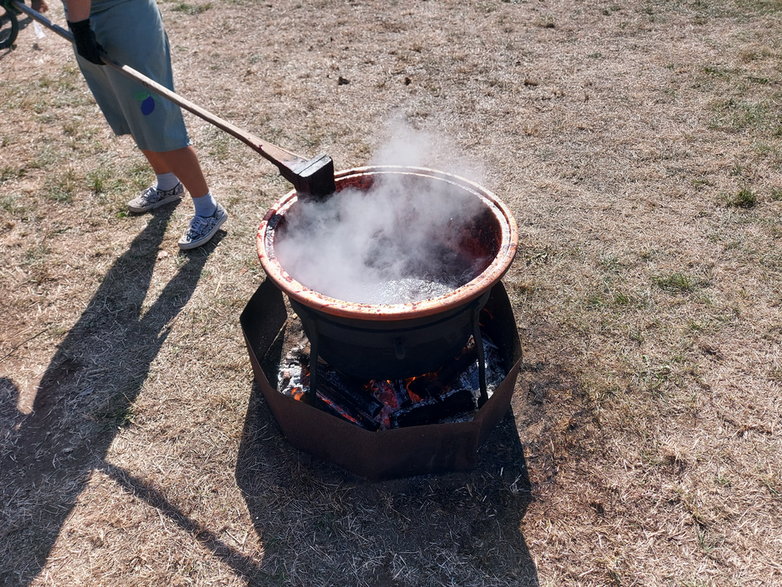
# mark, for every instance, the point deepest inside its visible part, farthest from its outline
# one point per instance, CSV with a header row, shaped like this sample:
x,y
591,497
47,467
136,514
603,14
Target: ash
x,y
452,394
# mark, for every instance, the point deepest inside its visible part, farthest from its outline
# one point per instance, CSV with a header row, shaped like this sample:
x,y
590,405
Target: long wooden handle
x,y
273,153
289,163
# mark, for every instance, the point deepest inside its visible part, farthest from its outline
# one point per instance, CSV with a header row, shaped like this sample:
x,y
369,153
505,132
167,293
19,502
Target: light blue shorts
x,y
132,33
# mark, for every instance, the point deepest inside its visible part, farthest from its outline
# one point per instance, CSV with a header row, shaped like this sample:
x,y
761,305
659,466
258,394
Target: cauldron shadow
x,y
83,397
319,522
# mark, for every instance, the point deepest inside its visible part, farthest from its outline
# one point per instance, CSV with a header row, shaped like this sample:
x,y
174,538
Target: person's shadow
x,y
85,395
323,526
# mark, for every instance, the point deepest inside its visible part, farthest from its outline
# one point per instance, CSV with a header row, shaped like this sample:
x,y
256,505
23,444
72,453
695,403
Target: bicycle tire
x,y
9,27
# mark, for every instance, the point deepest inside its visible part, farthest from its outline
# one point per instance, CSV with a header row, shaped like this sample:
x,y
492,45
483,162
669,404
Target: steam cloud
x,y
396,243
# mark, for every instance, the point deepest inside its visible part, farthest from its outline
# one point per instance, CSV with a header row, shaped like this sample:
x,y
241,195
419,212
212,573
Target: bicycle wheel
x,y
9,27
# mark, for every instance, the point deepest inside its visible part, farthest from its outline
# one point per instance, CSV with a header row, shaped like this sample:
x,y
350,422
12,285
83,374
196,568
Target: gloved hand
x,y
86,44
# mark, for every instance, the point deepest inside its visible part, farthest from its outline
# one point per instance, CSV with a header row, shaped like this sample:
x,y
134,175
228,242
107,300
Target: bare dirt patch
x,y
639,146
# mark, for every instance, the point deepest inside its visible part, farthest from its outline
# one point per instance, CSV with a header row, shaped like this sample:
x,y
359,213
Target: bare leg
x,y
184,164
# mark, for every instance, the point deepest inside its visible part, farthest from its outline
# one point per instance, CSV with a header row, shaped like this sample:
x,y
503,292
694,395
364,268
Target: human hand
x,y
86,44
39,5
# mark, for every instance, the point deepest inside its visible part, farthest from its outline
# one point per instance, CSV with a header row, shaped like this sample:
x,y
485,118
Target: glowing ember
x,y
448,395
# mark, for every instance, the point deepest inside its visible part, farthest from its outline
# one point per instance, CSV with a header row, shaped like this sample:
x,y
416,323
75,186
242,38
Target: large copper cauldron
x,y
400,339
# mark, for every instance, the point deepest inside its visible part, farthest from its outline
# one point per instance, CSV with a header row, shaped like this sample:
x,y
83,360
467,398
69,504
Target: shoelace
x,y
150,195
197,226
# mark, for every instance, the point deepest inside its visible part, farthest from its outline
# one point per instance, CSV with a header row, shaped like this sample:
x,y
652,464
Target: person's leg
x,y
172,168
209,215
184,164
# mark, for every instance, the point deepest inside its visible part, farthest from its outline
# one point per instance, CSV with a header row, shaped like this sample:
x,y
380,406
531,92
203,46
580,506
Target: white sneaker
x,y
202,229
152,198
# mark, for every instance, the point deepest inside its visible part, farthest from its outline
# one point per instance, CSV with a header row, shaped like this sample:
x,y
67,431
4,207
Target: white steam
x,y
398,242
404,145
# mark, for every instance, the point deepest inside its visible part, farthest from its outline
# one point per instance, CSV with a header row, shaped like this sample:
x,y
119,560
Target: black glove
x,y
86,45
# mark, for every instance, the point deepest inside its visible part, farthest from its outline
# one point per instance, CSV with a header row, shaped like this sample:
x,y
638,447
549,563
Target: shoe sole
x,y
205,239
158,204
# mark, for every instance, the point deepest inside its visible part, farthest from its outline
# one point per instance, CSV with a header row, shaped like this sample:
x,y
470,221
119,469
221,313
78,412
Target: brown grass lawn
x,y
639,146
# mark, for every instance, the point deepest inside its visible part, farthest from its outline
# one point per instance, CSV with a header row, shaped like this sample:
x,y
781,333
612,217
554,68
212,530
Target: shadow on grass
x,y
85,395
241,565
323,526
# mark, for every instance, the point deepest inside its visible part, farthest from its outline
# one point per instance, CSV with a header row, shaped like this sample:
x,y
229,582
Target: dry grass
x,y
639,145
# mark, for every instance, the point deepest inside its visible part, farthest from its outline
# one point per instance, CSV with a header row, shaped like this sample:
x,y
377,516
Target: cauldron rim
x,y
390,312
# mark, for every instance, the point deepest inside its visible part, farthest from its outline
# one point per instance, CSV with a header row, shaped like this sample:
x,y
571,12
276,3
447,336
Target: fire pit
x,y
397,315
386,454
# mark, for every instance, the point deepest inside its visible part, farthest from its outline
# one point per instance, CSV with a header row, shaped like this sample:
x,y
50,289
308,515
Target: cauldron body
x,y
405,339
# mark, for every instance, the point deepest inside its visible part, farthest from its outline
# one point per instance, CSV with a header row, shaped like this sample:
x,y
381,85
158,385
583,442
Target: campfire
x,y
452,393
387,387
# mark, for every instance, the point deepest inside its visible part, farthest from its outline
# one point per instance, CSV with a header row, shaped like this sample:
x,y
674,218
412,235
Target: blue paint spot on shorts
x,y
148,105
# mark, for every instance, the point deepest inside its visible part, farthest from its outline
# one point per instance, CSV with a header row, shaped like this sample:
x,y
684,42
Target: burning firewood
x,y
452,392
